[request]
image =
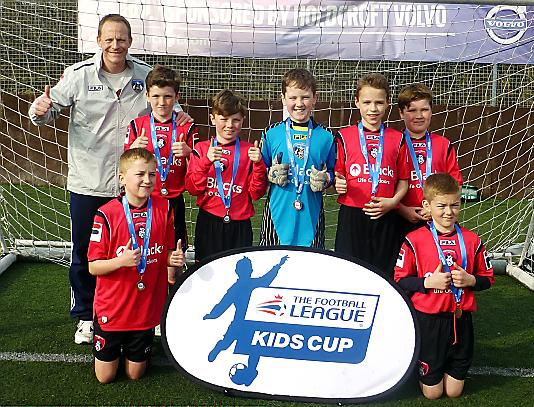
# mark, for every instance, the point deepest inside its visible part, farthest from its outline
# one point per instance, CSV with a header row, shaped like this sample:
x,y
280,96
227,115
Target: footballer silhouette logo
x,y
274,306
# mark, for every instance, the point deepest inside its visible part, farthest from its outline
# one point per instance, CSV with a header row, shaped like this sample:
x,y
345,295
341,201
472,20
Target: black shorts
x,y
108,346
180,228
438,354
213,236
375,241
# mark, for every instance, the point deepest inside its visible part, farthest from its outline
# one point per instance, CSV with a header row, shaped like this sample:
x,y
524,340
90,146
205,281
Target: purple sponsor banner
x,y
345,30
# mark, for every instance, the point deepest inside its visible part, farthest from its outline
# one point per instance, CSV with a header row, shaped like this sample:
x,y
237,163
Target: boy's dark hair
x,y
115,18
413,92
227,103
374,80
300,78
440,183
134,154
162,76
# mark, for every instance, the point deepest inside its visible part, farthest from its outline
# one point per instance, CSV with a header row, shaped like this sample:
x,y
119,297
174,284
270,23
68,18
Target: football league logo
x,y
275,306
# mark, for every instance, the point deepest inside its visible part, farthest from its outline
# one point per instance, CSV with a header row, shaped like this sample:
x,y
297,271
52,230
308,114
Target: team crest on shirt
x,y
298,150
374,152
161,143
138,85
141,231
450,257
224,163
421,158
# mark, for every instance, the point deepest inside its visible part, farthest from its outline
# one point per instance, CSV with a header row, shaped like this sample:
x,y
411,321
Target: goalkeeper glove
x,y
278,172
319,179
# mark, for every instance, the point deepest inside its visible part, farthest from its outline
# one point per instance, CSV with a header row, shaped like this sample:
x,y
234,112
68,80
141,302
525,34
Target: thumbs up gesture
x,y
319,179
180,147
254,153
341,183
43,103
214,153
177,257
129,257
278,172
141,141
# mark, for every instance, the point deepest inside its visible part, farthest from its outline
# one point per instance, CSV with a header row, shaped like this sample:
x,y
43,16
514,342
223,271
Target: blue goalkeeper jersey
x,y
297,227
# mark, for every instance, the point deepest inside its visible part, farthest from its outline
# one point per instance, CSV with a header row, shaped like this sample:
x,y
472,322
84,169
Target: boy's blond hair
x,y
226,103
440,183
413,92
374,80
300,78
161,77
129,156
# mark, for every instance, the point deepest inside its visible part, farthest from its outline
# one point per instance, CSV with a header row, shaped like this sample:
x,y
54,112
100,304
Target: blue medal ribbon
x,y
414,158
298,178
163,171
141,267
374,172
226,198
457,292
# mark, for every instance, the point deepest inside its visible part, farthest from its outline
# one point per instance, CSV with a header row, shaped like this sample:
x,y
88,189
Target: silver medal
x,y
297,205
164,191
226,218
140,286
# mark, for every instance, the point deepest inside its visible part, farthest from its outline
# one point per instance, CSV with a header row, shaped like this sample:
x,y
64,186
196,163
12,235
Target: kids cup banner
x,y
322,29
291,323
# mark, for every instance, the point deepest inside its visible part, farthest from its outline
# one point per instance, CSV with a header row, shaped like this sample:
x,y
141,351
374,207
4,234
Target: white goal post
x,y
478,59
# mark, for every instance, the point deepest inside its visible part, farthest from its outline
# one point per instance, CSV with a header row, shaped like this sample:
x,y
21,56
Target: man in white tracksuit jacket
x,y
104,93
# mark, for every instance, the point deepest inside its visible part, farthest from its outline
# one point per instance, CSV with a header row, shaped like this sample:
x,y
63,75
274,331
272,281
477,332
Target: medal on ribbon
x,y
415,162
298,176
141,267
226,198
456,292
163,170
374,171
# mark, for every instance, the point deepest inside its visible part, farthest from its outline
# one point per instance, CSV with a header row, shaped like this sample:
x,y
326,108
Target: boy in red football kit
x,y
428,153
171,143
441,265
131,254
371,179
226,175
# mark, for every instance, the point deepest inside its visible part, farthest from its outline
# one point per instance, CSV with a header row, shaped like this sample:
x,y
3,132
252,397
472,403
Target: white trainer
x,y
84,332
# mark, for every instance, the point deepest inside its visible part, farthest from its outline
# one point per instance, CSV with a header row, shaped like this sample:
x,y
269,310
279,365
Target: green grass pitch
x,y
34,303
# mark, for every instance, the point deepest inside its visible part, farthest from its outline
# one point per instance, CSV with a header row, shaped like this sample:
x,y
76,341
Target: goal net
x,y
476,58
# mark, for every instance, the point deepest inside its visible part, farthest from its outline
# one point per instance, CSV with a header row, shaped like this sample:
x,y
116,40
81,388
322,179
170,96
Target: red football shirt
x,y
418,257
352,165
250,183
443,160
175,182
118,304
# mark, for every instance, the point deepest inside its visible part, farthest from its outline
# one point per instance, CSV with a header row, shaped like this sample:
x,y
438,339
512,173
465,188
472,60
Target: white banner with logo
x,y
333,29
291,323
